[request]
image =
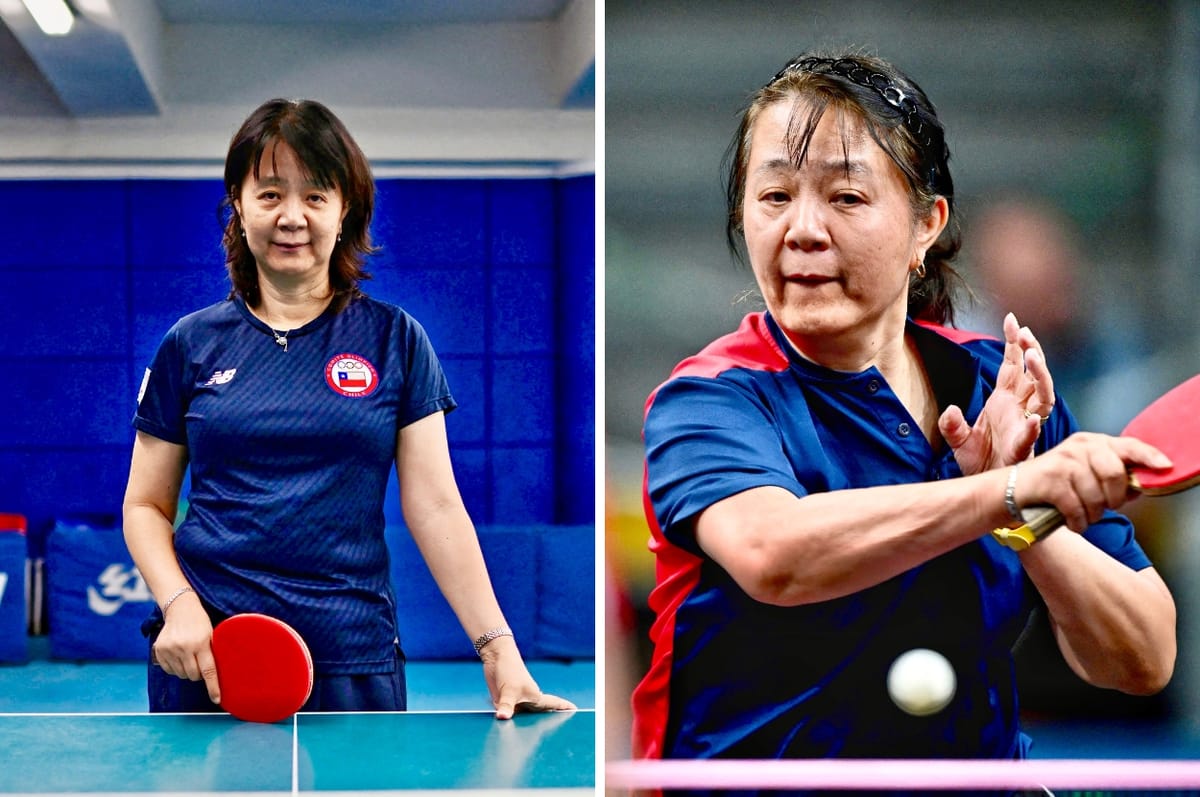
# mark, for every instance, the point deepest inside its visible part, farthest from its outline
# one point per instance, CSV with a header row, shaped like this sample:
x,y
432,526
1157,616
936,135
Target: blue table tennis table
x,y
346,753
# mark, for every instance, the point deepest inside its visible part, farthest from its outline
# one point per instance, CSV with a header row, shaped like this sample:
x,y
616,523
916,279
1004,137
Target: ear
x,y
931,226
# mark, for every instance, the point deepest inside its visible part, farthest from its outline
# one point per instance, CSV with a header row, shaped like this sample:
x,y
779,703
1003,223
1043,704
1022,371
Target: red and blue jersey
x,y
290,454
732,677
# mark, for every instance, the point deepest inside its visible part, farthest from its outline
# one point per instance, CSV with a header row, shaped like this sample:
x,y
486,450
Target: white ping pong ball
x,y
921,682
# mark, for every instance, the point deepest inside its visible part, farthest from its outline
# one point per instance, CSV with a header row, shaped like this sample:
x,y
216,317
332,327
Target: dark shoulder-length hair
x,y
331,159
900,119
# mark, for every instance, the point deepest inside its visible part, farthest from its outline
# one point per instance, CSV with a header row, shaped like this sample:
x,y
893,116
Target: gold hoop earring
x,y
920,270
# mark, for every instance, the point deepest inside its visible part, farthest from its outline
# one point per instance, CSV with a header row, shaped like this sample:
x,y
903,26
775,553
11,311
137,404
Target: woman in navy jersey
x,y
823,482
291,402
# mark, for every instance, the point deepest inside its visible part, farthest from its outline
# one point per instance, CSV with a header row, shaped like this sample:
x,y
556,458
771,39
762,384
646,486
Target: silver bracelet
x,y
488,636
1010,500
174,597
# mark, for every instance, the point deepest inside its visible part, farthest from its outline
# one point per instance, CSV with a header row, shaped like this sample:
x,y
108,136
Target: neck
x,y
881,345
285,307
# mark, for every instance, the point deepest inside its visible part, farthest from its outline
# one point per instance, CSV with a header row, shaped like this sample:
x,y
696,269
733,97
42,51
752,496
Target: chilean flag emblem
x,y
351,375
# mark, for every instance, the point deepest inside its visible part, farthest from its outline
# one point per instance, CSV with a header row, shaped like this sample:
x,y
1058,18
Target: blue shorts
x,y
372,692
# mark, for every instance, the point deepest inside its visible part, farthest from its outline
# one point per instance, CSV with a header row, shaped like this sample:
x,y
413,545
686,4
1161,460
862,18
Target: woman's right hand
x,y
1084,475
184,646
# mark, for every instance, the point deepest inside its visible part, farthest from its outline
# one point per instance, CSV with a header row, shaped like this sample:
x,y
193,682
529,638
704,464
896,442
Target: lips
x,y
809,279
289,247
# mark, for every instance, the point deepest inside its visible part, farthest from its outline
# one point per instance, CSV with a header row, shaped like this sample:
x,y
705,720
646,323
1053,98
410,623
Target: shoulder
x,y
744,354
751,346
217,313
203,323
987,348
963,337
368,309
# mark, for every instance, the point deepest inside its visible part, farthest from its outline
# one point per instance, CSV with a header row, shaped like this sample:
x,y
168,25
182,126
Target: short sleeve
x,y
706,440
426,389
161,403
1113,533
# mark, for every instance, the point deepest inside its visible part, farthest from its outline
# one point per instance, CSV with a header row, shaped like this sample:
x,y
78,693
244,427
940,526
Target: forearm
x,y
150,538
448,543
1115,626
789,551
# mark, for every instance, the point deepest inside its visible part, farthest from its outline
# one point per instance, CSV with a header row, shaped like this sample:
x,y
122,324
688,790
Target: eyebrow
x,y
845,166
265,181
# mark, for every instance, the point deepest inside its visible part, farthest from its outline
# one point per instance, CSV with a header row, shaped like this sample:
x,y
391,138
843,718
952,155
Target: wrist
x,y
489,639
1010,496
173,597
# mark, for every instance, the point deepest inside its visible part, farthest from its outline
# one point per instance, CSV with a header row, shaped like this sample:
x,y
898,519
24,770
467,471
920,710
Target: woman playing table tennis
x,y
291,402
822,482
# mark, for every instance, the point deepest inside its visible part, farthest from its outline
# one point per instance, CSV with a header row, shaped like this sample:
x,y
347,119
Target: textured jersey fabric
x,y
290,454
732,677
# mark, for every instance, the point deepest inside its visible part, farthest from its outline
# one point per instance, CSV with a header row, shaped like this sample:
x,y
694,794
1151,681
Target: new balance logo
x,y
220,377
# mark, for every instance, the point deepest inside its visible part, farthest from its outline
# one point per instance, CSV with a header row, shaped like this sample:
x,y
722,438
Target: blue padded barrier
x,y
14,642
96,598
566,592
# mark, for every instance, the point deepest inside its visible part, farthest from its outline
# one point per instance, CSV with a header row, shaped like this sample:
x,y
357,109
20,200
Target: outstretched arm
x,y
438,521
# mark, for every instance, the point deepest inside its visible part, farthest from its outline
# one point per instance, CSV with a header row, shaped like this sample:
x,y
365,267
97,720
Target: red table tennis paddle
x,y
1172,425
263,666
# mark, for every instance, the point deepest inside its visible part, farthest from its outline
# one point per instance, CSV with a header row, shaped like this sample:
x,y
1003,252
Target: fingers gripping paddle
x,y
1172,425
263,666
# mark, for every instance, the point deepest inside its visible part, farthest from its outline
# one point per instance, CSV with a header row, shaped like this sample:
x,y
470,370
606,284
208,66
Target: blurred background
x,y
1074,130
479,121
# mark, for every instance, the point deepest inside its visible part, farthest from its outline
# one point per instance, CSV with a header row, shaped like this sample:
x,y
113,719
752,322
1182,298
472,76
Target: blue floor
x,y
43,685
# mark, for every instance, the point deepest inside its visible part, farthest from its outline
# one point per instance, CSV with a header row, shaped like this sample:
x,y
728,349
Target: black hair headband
x,y
927,135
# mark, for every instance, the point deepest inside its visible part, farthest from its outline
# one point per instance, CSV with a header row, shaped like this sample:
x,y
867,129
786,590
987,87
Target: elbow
x,y
766,577
1150,674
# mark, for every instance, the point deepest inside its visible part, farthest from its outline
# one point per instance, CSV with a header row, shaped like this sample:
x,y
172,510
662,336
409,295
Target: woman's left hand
x,y
1012,418
512,688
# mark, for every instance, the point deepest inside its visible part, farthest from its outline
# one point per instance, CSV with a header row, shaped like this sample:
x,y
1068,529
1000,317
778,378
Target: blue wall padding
x,y
575,457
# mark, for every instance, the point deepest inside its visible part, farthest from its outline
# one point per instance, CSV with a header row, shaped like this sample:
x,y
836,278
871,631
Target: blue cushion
x,y
13,620
566,622
96,598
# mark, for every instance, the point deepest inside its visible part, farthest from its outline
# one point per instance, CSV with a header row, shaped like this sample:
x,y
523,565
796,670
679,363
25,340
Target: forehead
x,y
781,137
277,159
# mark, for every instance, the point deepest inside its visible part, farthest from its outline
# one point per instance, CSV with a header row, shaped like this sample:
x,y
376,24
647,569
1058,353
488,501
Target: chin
x,y
811,320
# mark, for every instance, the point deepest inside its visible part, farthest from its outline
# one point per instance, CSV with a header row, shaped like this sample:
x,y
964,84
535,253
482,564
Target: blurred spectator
x,y
1027,258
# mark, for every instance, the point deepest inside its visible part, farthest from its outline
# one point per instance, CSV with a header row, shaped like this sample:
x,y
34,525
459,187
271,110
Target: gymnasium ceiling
x,y
186,69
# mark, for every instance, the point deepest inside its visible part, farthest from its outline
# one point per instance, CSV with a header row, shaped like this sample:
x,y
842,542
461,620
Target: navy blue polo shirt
x,y
732,677
290,454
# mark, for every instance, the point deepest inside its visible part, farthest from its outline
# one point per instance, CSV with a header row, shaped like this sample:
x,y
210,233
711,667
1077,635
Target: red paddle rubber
x,y
263,666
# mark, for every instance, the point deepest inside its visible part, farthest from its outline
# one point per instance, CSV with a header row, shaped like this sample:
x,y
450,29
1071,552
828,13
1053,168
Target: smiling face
x,y
831,241
291,224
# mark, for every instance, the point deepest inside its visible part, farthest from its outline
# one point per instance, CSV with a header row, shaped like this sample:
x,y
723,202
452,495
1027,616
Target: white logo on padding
x,y
119,584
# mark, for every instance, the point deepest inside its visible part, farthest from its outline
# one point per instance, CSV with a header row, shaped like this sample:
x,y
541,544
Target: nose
x,y
806,225
291,213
